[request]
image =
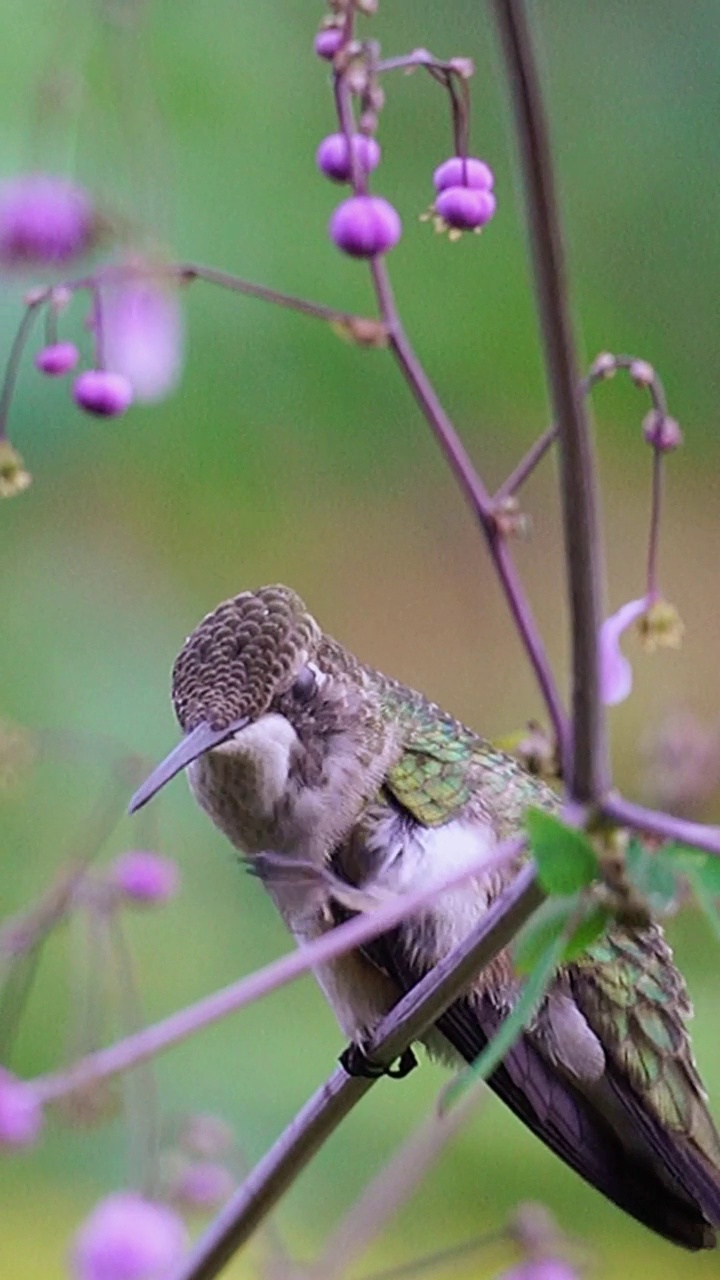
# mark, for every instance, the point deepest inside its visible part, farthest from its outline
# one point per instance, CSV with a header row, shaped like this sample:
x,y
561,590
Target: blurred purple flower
x,y
141,332
615,670
145,878
104,394
57,359
128,1238
45,221
21,1115
202,1186
541,1269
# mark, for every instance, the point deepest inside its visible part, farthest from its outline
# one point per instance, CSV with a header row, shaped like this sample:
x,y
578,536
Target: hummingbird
x,y
340,785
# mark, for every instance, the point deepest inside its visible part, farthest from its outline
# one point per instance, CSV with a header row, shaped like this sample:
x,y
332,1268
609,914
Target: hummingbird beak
x,y
199,740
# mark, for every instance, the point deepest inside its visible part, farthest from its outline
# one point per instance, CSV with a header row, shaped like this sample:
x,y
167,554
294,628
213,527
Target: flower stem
x,y
586,769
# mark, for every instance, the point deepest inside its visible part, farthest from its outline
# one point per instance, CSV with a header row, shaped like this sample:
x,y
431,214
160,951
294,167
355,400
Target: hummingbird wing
x,y
629,991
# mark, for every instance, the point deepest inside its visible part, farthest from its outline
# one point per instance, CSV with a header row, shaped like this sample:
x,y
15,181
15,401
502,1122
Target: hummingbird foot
x,y
356,1062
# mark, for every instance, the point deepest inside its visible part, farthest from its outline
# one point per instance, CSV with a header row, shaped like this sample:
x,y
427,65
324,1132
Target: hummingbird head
x,y
243,657
277,717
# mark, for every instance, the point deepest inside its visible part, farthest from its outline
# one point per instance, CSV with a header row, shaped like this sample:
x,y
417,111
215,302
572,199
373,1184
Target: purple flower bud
x,y
615,670
364,226
327,42
202,1185
663,433
105,394
541,1269
145,878
45,221
142,333
128,1238
333,155
21,1115
57,359
468,172
465,209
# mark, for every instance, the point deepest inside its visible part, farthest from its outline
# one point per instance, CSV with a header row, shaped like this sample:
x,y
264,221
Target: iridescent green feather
x,y
635,1000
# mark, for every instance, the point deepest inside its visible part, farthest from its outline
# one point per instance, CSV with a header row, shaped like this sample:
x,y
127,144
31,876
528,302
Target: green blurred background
x,y
289,456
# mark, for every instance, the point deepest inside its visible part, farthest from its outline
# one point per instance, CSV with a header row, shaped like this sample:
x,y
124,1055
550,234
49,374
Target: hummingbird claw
x,y
356,1062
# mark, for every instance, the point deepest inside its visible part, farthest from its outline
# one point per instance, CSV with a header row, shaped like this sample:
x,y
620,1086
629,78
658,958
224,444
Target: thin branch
x,y
654,823
418,1010
586,769
179,1026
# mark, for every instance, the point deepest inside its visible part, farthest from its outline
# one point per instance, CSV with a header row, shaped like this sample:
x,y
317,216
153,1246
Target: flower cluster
x,y
365,225
134,317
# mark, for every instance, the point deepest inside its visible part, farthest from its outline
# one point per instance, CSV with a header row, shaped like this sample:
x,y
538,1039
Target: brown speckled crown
x,y
240,655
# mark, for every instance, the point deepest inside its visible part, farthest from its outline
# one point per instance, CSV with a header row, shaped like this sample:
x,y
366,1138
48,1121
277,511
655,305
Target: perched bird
x,y
310,761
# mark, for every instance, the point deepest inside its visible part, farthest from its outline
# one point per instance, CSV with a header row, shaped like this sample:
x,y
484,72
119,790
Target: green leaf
x,y
580,923
540,932
587,931
511,1029
654,874
566,860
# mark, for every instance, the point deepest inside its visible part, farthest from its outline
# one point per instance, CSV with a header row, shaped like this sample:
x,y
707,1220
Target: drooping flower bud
x,y
364,226
333,155
104,394
57,359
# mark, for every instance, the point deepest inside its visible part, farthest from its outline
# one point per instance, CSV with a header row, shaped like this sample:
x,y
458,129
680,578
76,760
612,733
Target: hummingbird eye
x,y
305,684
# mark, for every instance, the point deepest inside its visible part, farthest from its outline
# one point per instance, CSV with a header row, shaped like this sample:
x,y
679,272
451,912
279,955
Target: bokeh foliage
x,y
289,456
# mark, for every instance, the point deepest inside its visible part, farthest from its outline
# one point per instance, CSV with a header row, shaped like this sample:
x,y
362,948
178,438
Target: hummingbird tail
x,y
681,1203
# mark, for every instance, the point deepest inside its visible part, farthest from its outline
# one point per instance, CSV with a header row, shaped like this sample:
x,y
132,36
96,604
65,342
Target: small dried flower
x,y
128,1238
361,330
364,226
661,627
21,1116
45,221
13,476
57,359
144,878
